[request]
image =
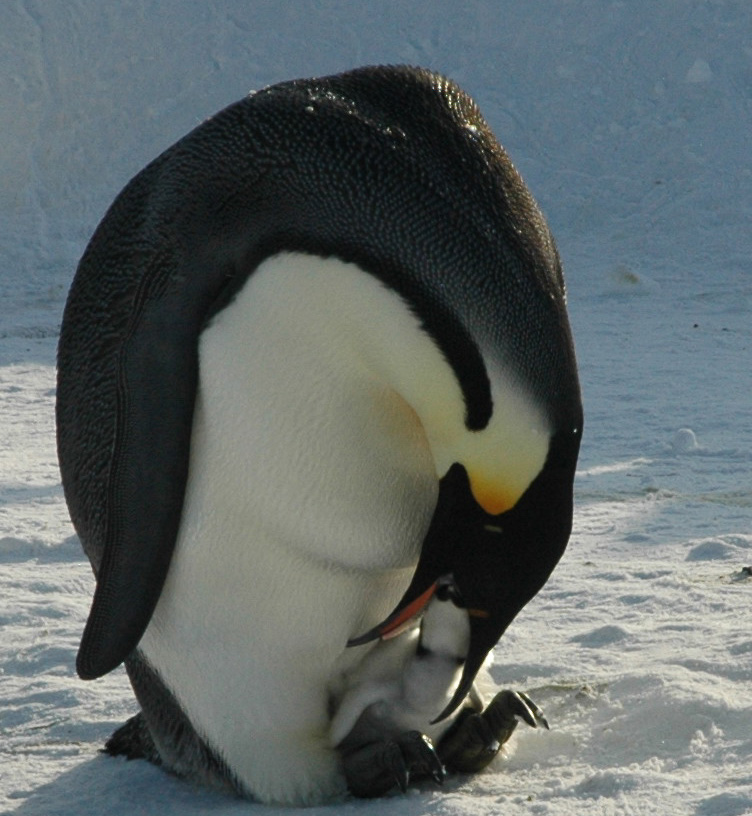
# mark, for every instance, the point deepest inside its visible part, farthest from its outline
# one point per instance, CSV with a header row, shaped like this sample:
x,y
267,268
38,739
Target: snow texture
x,y
631,123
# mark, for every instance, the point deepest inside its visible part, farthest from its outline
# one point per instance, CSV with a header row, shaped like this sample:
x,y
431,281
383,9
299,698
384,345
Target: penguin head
x,y
498,561
502,519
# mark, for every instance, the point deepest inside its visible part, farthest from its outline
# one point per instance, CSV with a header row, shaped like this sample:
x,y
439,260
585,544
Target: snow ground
x,y
630,122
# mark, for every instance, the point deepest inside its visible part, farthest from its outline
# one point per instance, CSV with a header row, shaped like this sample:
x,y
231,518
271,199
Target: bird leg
x,y
375,768
476,738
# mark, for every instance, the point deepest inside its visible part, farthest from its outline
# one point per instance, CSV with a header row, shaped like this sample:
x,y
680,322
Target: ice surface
x,y
631,123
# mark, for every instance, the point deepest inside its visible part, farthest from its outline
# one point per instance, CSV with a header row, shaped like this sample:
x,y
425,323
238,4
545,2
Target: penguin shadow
x,y
116,787
110,786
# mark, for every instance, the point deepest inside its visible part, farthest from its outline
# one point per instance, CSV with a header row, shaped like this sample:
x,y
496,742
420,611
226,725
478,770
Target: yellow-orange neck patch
x,y
491,496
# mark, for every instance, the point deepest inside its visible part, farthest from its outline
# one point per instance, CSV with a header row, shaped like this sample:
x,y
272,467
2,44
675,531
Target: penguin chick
x,y
383,727
433,671
391,704
406,681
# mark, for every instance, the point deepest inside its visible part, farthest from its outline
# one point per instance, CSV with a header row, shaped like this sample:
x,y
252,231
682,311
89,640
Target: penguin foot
x,y
133,740
476,738
374,769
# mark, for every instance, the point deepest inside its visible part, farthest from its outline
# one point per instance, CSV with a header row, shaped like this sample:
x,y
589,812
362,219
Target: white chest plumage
x,y
311,488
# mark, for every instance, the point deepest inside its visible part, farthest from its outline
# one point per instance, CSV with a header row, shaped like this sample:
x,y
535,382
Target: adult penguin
x,y
315,356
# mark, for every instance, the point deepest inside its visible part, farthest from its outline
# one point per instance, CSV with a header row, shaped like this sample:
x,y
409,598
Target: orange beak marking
x,y
395,627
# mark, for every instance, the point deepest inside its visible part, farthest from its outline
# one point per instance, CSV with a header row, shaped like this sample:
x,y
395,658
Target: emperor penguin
x,y
315,356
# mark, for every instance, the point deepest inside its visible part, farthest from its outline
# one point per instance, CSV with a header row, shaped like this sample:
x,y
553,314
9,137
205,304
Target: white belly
x,y
311,488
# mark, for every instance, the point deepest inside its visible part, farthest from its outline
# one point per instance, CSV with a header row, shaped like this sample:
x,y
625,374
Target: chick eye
x,y
450,592
444,592
421,650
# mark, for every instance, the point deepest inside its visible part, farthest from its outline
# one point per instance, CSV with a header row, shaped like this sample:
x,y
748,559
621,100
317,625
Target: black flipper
x,y
156,389
127,379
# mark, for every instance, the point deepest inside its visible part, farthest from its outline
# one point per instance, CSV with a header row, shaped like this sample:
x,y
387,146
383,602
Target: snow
x,y
630,122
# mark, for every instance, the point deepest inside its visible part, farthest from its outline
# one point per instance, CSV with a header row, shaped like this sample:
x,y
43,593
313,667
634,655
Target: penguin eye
x,y
460,661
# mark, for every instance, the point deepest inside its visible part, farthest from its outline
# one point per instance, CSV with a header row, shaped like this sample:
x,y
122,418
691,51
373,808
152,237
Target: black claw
x,y
436,768
509,704
395,761
421,755
537,713
518,706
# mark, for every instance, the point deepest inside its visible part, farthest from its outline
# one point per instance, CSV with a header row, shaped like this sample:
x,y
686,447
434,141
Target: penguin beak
x,y
497,562
399,620
407,610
